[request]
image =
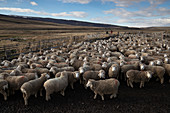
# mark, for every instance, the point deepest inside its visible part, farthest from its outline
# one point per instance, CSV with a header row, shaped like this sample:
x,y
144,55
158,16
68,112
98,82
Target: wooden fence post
x,y
5,52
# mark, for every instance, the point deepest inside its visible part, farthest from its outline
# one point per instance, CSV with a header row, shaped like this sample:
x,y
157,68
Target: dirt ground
x,y
153,98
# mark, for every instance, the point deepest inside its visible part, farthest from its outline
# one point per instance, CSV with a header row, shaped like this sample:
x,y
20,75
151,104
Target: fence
x,y
13,50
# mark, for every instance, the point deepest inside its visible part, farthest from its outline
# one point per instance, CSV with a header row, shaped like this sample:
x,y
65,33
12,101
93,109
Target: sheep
x,y
158,71
30,76
55,70
59,65
3,87
114,71
25,70
102,87
15,82
76,63
138,76
56,85
96,67
93,75
72,77
40,71
33,86
167,69
125,68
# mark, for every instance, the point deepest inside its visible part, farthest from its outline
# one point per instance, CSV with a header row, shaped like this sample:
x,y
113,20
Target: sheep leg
x,y
131,84
41,92
72,85
4,94
26,100
62,92
127,82
36,95
113,95
95,95
141,84
162,80
48,97
102,96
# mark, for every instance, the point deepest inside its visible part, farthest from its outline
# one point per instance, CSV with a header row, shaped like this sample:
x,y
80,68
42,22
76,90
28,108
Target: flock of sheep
x,y
99,65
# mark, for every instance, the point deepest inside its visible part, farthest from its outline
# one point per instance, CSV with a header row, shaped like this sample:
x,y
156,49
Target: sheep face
x,y
15,72
104,65
49,65
72,61
101,74
165,55
141,58
5,87
142,67
158,62
76,75
166,60
81,70
89,83
149,74
151,63
53,70
113,68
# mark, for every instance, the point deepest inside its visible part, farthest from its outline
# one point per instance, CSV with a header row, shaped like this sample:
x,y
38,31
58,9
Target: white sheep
x,y
15,82
72,77
56,85
33,86
102,87
93,75
114,71
138,76
3,87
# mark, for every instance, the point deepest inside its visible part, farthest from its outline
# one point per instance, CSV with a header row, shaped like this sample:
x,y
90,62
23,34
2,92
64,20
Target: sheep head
x,y
101,74
81,70
90,83
76,74
142,66
149,74
113,68
104,65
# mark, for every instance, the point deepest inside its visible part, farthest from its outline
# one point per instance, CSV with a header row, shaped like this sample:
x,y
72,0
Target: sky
x,y
132,13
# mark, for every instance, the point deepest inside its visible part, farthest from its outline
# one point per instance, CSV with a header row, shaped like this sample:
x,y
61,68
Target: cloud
x,y
134,22
126,3
77,14
33,3
76,1
147,12
123,3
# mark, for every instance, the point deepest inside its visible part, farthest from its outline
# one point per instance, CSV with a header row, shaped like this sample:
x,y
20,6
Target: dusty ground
x,y
153,98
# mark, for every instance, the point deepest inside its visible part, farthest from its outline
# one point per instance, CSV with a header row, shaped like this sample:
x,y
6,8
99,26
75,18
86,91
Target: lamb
x,y
3,87
114,71
72,77
33,86
93,75
158,71
15,82
102,87
56,85
138,76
